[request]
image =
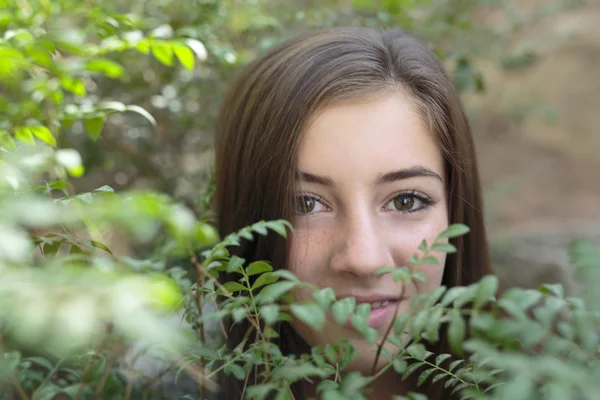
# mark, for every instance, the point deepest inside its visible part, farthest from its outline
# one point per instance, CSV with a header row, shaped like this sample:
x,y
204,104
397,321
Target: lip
x,y
379,316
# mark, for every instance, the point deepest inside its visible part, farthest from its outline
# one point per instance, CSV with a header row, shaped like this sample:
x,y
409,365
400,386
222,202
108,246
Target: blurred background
x,y
528,71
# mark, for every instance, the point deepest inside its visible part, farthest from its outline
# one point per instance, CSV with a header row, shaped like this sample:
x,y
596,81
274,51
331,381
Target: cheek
x,y
307,255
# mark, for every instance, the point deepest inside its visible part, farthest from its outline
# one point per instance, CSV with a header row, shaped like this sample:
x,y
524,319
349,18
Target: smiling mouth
x,y
379,304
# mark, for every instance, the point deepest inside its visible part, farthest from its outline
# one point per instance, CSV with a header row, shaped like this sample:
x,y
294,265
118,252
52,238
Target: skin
x,y
352,225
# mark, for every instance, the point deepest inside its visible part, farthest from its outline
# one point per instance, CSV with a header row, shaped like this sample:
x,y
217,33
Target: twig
x,y
387,332
104,377
20,390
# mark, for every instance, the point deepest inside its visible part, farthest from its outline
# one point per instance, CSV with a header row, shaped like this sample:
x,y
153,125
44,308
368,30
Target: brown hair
x,y
269,105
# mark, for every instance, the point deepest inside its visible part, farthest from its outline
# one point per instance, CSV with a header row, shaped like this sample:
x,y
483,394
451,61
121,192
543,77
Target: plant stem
x,y
387,332
20,390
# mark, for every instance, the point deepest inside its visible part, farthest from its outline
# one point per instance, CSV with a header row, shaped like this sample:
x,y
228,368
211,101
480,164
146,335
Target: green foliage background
x,y
106,116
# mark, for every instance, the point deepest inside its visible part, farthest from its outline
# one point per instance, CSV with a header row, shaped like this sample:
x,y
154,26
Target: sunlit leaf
x,y
74,86
185,55
44,134
163,52
25,135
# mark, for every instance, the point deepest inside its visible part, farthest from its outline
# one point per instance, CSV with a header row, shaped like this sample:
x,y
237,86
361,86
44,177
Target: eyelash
x,y
427,201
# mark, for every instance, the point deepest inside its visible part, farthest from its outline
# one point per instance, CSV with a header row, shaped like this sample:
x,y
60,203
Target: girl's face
x,y
370,189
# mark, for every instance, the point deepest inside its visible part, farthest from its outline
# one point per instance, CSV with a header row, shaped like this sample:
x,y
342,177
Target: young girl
x,y
358,138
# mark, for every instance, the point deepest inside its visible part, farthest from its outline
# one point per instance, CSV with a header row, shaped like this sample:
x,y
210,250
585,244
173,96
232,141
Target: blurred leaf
x,y
270,313
456,331
25,135
94,126
108,67
342,309
185,55
74,86
163,52
44,134
142,112
454,230
310,314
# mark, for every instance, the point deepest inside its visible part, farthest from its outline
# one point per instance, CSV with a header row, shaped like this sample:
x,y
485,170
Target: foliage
x,y
118,86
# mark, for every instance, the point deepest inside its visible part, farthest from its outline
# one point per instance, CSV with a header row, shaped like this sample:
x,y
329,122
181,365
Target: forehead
x,y
369,137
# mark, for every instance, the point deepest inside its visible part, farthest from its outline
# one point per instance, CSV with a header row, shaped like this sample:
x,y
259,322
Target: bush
x,y
76,319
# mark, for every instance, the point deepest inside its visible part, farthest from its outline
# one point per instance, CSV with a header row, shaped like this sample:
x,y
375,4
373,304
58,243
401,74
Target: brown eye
x,y
305,204
404,203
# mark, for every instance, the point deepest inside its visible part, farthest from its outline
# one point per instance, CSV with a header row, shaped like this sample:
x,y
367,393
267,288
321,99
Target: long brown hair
x,y
271,102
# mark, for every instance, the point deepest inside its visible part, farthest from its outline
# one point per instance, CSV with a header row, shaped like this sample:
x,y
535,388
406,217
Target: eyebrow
x,y
412,172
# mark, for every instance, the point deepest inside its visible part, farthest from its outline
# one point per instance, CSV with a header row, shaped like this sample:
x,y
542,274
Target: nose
x,y
362,247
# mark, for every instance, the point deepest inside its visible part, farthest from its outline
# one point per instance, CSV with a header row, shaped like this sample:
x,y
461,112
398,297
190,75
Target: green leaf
x,y
441,358
285,274
418,324
401,274
456,331
163,52
100,246
310,314
399,366
239,314
411,369
40,361
295,371
486,291
400,323
236,370
142,112
46,392
258,392
234,264
417,351
324,297
234,287
279,227
260,228
143,46
423,246
44,134
424,376
274,291
198,48
25,135
342,309
94,126
185,55
108,67
555,289
453,231
74,86
430,260
444,247
265,279
258,267
353,383
455,364
270,313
